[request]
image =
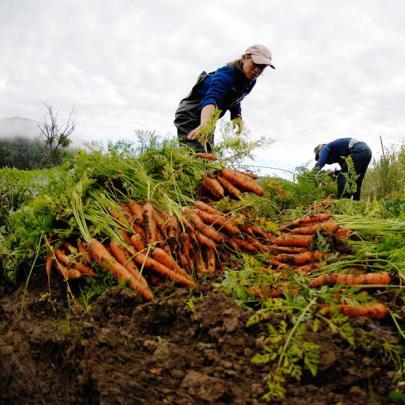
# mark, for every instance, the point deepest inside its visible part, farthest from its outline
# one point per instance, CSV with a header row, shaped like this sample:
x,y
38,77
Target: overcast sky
x,y
125,65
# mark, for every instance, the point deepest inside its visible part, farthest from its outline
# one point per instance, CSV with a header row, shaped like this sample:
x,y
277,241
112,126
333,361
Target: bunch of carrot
x,y
292,250
229,182
154,246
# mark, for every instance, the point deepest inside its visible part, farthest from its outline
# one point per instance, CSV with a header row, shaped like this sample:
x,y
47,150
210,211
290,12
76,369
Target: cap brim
x,y
262,60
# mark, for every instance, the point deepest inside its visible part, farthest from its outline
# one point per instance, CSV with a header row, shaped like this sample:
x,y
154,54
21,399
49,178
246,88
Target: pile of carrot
x,y
229,182
156,246
291,250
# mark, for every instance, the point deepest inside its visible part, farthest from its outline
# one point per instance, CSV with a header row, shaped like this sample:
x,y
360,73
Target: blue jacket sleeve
x,y
221,83
323,157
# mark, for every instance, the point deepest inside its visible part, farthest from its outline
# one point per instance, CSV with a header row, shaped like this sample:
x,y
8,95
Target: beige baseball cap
x,y
260,55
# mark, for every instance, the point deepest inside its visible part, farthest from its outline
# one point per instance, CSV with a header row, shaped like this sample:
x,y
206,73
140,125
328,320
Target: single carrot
x,y
221,221
242,181
256,243
149,224
186,249
232,190
71,264
207,208
211,260
137,211
300,258
259,232
374,311
293,240
206,156
245,245
330,227
200,226
164,258
68,274
159,221
265,292
84,252
102,256
137,242
126,212
205,240
124,257
137,228
48,268
380,278
199,262
154,265
308,268
287,249
342,233
311,219
213,187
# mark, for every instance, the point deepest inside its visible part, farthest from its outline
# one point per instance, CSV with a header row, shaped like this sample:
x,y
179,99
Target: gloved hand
x,y
238,125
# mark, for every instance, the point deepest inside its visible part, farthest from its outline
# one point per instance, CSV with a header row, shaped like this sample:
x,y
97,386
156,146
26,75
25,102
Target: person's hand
x,y
238,125
195,134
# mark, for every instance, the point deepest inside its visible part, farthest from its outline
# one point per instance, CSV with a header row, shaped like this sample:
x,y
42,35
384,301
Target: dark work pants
x,y
361,156
187,118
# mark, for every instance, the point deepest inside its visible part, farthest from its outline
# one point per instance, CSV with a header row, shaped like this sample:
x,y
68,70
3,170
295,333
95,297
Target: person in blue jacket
x,y
223,89
336,152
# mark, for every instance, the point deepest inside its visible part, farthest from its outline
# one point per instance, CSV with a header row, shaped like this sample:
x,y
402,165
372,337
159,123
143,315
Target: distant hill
x,y
18,127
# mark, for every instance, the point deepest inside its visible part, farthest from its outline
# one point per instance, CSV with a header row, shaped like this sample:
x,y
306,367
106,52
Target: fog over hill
x,y
18,127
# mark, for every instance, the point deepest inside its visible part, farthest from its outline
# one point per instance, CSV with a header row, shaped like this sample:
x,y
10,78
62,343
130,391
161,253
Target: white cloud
x,y
125,65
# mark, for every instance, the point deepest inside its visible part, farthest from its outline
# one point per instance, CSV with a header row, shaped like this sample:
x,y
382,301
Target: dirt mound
x,y
179,349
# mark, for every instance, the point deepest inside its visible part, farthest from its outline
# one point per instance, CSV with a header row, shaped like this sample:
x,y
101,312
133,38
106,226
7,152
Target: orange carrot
x,y
330,227
206,156
260,246
126,212
213,187
186,248
342,233
137,228
232,190
159,221
287,249
301,258
199,262
84,252
374,311
311,219
205,240
245,245
154,265
149,224
162,257
252,175
381,278
200,226
212,219
265,292
211,260
207,208
72,264
101,255
293,240
242,181
137,211
123,257
137,242
307,268
68,274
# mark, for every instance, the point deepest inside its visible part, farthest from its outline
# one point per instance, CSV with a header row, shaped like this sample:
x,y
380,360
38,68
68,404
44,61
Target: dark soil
x,y
183,348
